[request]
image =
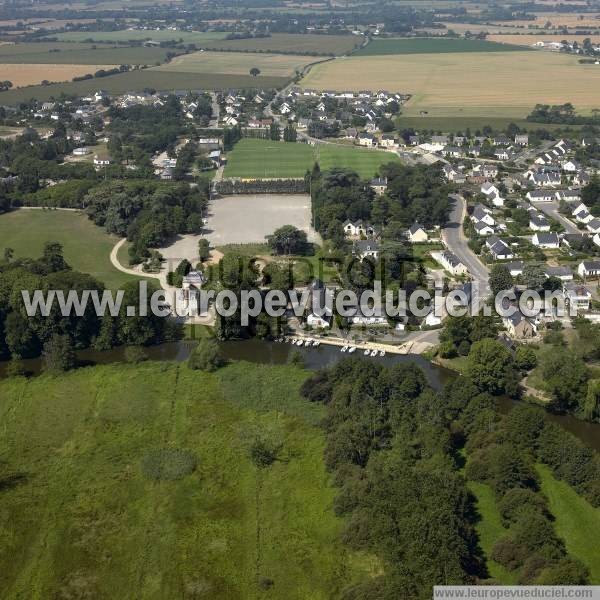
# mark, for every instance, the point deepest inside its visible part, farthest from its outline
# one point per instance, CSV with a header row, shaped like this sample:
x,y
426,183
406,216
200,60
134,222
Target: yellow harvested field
x,y
28,74
531,39
470,83
556,19
237,63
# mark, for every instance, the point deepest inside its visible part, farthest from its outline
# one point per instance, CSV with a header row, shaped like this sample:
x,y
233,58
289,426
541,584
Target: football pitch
x,y
263,158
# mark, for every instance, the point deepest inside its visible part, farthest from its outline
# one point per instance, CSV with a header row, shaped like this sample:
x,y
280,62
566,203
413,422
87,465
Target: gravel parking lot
x,y
245,219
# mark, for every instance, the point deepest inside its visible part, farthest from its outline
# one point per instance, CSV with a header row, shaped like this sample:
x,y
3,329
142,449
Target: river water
x,y
260,351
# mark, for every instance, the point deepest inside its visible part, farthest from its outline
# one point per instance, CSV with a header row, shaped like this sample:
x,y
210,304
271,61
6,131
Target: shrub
x,y
508,553
168,464
135,354
206,356
517,501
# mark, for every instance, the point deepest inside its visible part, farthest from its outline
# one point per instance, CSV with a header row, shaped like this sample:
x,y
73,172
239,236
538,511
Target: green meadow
x,y
84,512
263,158
86,246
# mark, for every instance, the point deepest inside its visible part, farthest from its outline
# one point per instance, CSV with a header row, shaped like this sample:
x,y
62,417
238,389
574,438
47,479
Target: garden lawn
x,y
79,518
86,246
577,522
263,158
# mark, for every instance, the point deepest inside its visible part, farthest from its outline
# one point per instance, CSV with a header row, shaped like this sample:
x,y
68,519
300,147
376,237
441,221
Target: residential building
x,y
577,296
519,327
548,240
589,268
417,233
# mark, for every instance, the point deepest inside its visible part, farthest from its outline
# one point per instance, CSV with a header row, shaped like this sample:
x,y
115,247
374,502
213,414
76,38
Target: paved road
x,y
551,209
456,241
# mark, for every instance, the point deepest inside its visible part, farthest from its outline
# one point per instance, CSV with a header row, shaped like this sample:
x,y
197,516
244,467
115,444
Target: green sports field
x,y
86,246
263,158
82,517
431,46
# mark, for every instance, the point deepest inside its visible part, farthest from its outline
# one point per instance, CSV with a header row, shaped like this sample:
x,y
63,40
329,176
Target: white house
x,y
589,268
451,263
481,214
548,240
357,228
80,151
577,295
366,249
540,196
367,139
101,162
499,249
538,222
597,239
593,226
417,233
483,228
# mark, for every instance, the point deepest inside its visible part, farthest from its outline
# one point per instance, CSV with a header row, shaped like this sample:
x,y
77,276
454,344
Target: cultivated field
x,y
291,42
22,74
188,37
498,84
80,54
235,63
262,158
140,79
530,39
429,45
557,19
82,516
86,246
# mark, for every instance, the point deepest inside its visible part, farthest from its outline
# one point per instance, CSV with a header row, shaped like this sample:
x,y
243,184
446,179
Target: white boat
x,y
367,352
382,353
316,343
299,342
294,342
344,348
373,352
352,349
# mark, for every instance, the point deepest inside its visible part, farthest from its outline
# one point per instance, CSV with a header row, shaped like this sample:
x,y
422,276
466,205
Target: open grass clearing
x,y
262,158
25,74
429,46
235,63
86,246
498,84
125,35
490,529
78,442
138,80
80,54
291,42
576,521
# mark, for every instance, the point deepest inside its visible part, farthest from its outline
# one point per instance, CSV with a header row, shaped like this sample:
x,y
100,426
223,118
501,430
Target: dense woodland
x,y
22,336
413,194
395,449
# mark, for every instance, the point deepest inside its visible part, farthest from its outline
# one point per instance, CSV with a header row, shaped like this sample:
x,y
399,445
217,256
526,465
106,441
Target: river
x,y
260,351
